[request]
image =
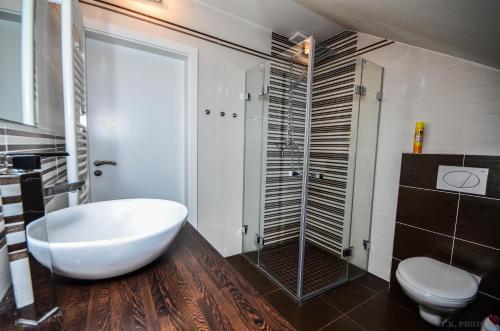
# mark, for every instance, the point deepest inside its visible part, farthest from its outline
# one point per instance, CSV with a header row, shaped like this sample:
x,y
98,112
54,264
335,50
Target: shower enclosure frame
x,y
261,109
305,166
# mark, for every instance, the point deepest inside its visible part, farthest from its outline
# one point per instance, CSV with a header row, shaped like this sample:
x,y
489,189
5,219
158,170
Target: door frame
x,y
95,29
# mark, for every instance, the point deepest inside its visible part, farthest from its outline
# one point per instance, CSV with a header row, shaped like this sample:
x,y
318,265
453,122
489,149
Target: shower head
x,y
298,37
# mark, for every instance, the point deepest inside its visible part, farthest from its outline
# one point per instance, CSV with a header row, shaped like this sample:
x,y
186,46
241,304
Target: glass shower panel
x,y
255,137
310,147
274,154
286,88
330,133
367,106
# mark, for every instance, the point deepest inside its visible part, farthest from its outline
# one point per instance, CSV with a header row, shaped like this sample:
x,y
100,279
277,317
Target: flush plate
x,y
462,179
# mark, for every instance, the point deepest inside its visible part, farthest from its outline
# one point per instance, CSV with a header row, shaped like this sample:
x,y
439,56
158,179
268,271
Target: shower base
x,y
321,267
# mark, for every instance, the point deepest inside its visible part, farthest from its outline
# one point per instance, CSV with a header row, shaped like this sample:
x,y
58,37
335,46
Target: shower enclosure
x,y
311,128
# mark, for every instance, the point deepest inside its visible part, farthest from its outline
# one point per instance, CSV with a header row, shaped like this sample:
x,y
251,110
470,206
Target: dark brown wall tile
x,y
491,162
479,220
481,261
471,317
431,210
409,242
420,170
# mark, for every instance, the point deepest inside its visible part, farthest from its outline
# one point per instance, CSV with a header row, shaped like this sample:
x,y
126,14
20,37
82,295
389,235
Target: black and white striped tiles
x,y
282,192
13,250
333,91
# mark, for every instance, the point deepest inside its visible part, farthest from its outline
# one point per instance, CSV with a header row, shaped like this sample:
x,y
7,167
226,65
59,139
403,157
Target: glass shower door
x,y
311,128
255,136
366,111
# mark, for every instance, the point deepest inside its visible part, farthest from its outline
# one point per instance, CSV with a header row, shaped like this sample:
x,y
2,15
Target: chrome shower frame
x,y
305,167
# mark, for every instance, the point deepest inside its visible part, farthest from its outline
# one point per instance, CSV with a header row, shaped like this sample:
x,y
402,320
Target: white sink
x,y
105,239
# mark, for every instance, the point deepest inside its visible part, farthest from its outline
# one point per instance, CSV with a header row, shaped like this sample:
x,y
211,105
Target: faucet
x,y
31,161
62,188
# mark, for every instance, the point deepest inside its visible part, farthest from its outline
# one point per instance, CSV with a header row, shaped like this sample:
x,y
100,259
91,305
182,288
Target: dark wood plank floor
x,y
190,288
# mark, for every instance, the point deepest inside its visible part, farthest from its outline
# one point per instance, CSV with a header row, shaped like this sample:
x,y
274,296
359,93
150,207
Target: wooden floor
x,y
190,288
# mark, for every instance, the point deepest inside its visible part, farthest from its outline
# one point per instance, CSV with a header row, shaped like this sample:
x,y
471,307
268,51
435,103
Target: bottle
x,y
418,141
491,323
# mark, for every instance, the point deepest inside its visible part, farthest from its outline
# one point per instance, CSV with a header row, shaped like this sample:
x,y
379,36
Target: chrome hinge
x,y
244,229
379,96
248,96
315,175
259,240
366,244
349,251
264,90
359,89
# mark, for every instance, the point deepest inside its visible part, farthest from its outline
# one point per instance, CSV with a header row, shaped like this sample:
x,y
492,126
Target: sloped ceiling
x,y
281,16
468,29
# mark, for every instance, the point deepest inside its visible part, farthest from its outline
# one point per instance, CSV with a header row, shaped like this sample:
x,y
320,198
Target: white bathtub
x,y
105,239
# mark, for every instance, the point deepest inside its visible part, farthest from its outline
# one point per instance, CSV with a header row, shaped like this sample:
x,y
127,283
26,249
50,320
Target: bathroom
x,y
285,165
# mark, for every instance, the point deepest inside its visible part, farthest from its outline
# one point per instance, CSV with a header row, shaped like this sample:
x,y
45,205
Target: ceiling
x,y
281,16
468,29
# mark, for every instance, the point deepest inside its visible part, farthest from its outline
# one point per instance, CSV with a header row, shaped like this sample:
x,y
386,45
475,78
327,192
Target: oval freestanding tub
x,y
105,239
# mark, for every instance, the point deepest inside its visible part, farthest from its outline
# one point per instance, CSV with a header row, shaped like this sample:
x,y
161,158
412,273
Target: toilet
x,y
440,290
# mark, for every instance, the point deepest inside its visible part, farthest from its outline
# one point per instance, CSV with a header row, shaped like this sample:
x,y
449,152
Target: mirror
x,y
37,25
10,67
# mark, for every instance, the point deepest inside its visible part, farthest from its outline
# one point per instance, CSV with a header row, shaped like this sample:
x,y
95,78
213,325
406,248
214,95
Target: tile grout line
x,y
489,295
416,227
428,189
455,231
352,320
368,287
449,192
399,305
445,235
478,244
456,220
347,312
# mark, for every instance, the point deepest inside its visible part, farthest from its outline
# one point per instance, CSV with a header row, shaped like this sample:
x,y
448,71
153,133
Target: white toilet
x,y
440,289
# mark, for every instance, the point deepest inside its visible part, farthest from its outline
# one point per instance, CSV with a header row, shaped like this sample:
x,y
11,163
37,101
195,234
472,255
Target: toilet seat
x,y
429,298
437,281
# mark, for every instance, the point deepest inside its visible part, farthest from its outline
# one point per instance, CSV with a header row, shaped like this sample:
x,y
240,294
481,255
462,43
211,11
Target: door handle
x,y
99,163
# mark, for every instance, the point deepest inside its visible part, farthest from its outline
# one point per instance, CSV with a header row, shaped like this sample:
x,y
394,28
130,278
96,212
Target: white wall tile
x,y
221,87
382,236
5,279
21,281
458,100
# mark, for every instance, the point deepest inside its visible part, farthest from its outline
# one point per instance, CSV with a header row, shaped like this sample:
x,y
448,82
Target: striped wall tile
x,y
13,212
331,116
282,192
332,104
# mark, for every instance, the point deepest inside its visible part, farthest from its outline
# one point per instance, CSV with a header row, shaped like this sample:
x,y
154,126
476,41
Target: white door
x,y
136,118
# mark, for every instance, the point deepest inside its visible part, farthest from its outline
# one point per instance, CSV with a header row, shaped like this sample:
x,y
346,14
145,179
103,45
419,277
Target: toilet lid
x,y
438,279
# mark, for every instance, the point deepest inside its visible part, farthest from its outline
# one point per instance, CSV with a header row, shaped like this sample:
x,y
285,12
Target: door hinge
x,y
366,244
359,89
259,240
244,229
349,251
379,96
264,90
248,96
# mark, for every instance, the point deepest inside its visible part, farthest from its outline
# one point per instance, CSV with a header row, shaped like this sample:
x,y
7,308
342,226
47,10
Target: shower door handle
x,y
99,163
